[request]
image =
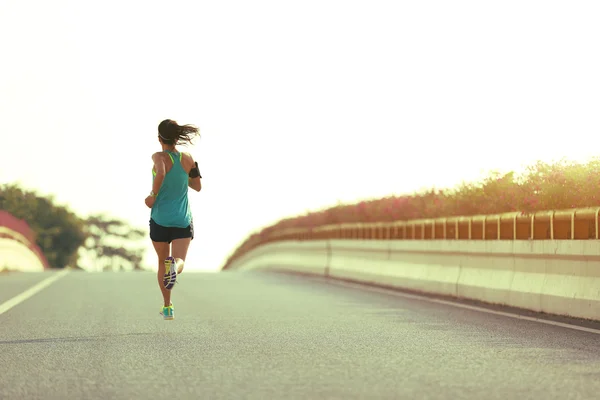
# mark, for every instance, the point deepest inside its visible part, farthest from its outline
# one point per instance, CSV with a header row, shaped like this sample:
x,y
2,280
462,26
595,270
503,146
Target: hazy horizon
x,y
299,105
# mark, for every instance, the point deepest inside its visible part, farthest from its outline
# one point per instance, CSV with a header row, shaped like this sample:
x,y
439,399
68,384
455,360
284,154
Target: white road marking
x,y
7,305
460,305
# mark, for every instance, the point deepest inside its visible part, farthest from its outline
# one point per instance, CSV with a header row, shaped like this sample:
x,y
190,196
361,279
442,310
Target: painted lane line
x,y
460,305
7,305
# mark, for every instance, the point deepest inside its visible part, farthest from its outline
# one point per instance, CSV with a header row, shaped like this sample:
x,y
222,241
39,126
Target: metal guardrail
x,y
571,224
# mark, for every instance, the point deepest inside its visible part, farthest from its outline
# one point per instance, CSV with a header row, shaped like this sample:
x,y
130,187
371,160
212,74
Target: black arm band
x,y
195,172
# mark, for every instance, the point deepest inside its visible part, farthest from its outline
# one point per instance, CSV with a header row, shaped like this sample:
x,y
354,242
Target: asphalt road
x,y
271,336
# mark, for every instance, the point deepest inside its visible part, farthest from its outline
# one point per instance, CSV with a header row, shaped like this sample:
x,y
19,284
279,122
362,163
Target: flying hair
x,y
170,132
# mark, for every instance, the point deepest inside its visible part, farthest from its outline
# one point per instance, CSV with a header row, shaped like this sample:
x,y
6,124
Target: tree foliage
x,y
107,241
61,234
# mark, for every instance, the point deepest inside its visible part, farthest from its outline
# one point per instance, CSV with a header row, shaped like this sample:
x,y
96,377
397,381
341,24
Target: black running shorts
x,y
159,233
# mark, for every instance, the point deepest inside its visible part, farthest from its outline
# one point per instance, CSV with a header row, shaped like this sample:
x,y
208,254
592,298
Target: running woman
x,y
171,222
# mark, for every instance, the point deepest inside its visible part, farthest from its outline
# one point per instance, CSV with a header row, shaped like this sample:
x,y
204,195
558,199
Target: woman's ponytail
x,y
174,134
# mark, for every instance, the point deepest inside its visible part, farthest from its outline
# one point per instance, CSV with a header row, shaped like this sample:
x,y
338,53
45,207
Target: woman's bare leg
x,y
162,251
180,249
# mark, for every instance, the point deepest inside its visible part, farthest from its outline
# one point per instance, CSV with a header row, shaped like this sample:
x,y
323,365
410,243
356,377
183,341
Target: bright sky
x,y
300,104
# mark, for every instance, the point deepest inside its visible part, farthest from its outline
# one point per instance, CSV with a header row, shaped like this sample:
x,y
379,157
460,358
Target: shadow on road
x,y
70,339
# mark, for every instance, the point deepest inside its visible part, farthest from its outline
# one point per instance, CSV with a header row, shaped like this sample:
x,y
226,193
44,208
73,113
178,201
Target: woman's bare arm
x,y
195,182
161,171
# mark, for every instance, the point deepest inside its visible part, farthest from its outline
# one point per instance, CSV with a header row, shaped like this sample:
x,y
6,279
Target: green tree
x,y
113,244
59,232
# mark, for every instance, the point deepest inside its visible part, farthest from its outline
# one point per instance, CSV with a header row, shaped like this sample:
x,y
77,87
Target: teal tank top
x,y
171,207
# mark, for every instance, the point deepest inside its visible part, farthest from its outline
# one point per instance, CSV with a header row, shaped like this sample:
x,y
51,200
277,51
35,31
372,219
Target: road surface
x,y
274,336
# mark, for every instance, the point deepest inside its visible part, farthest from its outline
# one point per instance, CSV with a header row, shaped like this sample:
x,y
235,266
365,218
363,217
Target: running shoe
x,y
168,313
170,273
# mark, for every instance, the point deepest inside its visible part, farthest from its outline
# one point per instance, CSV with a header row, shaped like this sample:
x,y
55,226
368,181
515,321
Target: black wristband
x,y
195,172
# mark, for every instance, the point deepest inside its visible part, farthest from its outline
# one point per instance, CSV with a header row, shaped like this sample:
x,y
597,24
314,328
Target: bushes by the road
x,y
60,233
543,186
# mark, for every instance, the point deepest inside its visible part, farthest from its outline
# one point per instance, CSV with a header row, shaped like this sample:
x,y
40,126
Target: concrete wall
x,y
18,250
559,277
15,255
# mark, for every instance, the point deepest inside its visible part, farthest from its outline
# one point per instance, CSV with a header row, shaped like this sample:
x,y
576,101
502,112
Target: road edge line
x,y
21,297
